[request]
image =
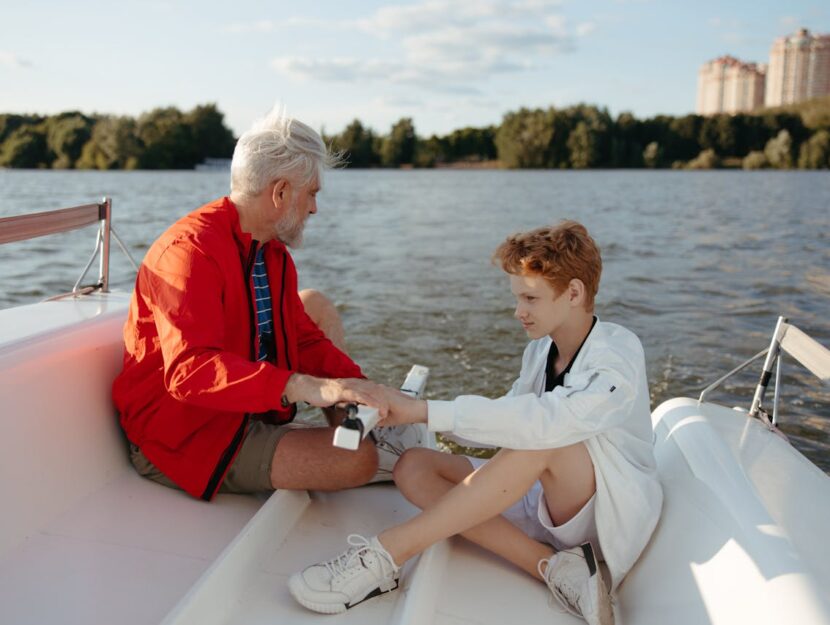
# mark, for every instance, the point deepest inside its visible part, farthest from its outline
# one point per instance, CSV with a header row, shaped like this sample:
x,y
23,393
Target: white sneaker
x,y
392,442
576,582
363,571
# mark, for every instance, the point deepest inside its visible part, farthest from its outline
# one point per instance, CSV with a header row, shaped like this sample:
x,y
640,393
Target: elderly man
x,y
220,345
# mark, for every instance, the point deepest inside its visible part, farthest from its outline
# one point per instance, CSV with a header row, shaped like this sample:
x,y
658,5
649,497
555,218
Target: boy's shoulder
x,y
604,337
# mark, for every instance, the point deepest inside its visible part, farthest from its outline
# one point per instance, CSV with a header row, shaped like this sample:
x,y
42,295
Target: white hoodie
x,y
604,403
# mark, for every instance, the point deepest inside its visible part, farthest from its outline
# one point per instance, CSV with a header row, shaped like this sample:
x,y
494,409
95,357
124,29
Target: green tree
x,y
524,139
25,148
208,133
707,159
66,136
653,155
755,160
166,139
359,145
626,145
430,152
113,145
583,146
779,150
399,147
815,152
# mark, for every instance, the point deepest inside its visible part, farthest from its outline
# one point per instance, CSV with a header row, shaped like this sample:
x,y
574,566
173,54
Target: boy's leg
x,y
424,476
567,479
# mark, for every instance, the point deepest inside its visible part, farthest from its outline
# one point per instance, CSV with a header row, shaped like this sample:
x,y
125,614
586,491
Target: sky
x,y
446,64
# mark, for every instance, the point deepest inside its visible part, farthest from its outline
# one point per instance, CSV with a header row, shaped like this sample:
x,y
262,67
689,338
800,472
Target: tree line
x,y
584,137
164,138
575,137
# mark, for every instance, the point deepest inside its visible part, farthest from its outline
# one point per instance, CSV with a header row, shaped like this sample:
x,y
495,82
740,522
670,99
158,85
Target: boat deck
x,y
83,539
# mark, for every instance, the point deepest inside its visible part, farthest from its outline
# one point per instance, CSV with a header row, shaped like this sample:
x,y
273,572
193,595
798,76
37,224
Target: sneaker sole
x,y
295,587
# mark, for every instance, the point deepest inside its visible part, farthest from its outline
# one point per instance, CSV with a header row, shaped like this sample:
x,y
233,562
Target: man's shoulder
x,y
207,230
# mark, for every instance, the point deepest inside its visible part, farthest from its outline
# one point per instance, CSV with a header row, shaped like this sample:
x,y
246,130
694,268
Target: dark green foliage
x,y
358,145
66,136
25,148
525,139
167,140
399,147
815,152
114,145
581,136
161,139
210,137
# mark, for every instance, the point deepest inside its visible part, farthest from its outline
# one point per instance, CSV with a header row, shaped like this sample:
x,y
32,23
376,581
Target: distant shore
x,y
575,137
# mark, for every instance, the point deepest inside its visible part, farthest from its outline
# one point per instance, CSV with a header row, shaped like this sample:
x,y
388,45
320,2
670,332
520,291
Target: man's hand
x,y
323,392
403,409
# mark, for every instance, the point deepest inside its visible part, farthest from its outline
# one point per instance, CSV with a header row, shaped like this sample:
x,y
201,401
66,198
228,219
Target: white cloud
x,y
449,46
585,28
13,61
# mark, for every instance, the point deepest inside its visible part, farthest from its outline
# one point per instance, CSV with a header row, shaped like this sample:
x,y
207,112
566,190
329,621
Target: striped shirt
x,y
264,314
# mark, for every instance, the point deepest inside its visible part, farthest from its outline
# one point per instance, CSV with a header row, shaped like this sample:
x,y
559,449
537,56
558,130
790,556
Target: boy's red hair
x,y
558,253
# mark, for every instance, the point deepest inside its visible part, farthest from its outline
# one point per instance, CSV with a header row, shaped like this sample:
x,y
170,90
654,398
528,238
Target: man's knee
x,y
365,464
316,304
324,314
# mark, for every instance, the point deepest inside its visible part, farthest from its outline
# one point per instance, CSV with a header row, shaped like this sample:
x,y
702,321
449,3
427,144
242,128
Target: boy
x,y
575,480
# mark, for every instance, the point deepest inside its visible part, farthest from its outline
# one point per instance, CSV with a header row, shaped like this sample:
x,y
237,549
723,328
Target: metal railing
x,y
31,226
808,352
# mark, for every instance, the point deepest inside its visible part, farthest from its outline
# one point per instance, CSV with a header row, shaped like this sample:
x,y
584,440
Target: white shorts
x,y
530,514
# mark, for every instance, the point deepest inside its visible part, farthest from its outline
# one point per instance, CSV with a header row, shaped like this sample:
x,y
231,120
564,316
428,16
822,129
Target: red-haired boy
x,y
575,480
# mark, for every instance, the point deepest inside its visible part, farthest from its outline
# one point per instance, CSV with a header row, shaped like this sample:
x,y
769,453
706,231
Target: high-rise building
x,y
799,68
728,85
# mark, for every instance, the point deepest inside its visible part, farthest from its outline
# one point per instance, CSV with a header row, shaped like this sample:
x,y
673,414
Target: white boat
x,y
84,539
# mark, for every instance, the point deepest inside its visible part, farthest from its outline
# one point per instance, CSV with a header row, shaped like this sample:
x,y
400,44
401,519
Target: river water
x,y
698,264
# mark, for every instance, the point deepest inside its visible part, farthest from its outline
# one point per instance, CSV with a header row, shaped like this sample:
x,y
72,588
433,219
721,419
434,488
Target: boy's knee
x,y
409,467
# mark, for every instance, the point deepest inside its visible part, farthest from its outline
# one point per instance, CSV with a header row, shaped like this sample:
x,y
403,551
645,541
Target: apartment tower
x,y
799,68
728,85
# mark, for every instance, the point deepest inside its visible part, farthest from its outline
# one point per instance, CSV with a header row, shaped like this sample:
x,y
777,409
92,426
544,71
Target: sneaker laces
x,y
342,564
566,595
383,435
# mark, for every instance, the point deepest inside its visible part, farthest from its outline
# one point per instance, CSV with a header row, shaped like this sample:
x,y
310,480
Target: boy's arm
x,y
593,401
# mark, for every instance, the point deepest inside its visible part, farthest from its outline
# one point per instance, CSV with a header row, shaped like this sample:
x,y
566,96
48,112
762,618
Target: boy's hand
x,y
403,409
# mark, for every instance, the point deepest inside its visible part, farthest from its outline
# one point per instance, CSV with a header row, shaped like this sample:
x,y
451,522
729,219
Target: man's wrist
x,y
294,390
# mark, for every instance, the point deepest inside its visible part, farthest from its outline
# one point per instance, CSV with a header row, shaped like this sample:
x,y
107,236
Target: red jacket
x,y
190,381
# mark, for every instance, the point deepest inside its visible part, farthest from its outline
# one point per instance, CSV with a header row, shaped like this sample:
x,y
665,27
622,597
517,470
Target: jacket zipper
x,y
236,441
282,314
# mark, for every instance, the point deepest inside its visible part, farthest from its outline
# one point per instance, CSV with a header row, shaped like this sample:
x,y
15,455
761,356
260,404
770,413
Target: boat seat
x,y
83,538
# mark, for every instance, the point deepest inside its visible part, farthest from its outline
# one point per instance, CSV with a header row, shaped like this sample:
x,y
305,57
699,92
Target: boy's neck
x,y
571,334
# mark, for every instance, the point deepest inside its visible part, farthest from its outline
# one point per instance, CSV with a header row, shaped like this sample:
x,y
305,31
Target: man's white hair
x,y
278,147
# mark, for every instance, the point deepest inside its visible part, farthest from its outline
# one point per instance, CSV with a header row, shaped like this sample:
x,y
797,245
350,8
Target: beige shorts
x,y
250,471
530,514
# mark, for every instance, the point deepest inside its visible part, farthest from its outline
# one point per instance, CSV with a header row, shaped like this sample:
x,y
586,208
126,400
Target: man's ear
x,y
278,194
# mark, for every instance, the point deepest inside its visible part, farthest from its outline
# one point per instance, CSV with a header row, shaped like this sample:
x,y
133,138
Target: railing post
x,y
105,226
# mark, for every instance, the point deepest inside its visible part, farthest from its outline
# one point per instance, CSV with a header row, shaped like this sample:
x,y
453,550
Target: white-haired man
x,y
219,344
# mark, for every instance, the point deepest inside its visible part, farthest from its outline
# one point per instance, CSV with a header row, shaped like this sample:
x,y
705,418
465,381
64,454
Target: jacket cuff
x,y
440,415
278,378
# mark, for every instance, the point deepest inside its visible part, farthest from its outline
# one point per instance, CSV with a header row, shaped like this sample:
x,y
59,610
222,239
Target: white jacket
x,y
604,402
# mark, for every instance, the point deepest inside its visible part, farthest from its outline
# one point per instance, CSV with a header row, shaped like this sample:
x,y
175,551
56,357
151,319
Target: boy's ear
x,y
576,291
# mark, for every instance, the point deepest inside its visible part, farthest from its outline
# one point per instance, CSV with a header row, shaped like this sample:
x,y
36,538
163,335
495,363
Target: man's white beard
x,y
290,228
